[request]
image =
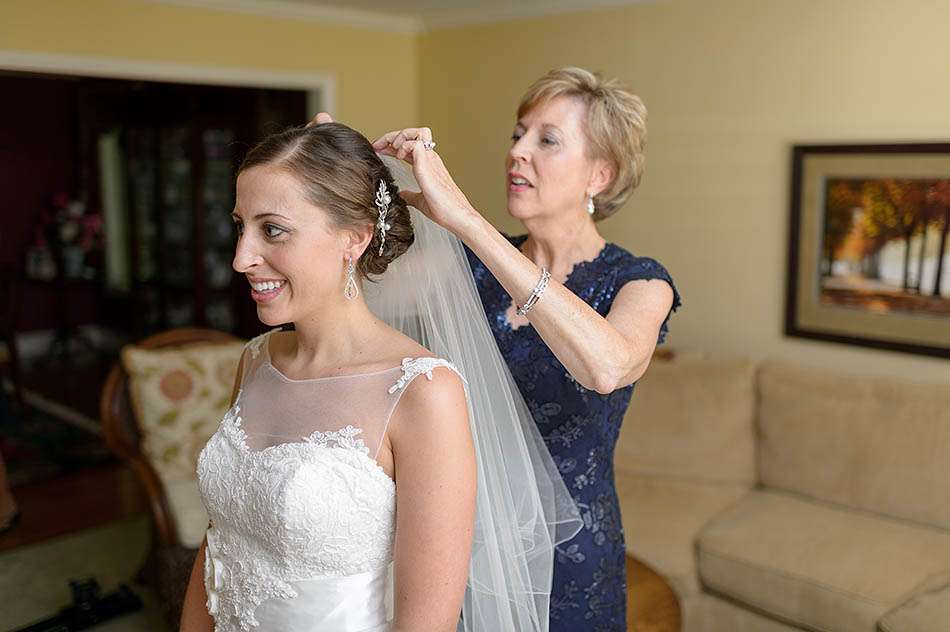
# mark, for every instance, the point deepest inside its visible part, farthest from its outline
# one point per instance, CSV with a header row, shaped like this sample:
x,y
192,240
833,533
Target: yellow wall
x,y
730,86
375,72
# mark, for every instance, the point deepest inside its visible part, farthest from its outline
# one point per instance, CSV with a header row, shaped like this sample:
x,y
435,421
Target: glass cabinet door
x,y
141,146
218,197
177,217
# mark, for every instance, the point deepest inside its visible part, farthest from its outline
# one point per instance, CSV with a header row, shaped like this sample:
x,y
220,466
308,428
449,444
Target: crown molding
x,y
290,10
320,87
399,23
90,66
466,17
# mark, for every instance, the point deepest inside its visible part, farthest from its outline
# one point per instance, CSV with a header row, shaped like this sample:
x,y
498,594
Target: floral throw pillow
x,y
179,396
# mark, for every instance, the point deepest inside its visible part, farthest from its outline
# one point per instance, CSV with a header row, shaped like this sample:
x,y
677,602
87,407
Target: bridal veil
x,y
523,508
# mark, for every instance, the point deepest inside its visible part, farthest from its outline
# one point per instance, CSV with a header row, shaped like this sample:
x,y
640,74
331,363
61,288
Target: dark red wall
x,y
38,137
37,154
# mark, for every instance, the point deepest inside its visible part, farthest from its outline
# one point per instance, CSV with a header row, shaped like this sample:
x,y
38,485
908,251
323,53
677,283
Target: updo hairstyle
x,y
339,172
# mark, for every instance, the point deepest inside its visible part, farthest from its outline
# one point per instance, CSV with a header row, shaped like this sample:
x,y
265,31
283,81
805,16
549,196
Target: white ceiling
x,y
403,15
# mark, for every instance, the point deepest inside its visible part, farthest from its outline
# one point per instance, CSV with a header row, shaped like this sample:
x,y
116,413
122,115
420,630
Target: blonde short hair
x,y
616,127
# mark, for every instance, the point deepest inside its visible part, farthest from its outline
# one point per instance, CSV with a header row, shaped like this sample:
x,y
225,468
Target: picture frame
x,y
868,246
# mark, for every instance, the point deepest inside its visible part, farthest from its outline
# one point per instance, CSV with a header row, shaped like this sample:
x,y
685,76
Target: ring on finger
x,y
428,145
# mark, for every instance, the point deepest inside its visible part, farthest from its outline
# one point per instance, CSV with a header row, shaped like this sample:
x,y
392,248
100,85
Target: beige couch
x,y
777,497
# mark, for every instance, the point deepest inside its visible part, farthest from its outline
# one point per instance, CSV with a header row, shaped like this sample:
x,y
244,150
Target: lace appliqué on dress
x,y
298,531
343,438
346,437
254,344
411,367
233,597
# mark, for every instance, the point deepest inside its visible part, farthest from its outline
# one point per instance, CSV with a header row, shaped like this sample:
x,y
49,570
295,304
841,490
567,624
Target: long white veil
x,y
523,508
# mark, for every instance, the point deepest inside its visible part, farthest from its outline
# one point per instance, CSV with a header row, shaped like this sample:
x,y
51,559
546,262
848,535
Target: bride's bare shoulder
x,y
432,407
399,346
433,402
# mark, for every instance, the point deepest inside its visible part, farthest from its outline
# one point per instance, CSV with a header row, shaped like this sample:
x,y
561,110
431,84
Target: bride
x,y
395,386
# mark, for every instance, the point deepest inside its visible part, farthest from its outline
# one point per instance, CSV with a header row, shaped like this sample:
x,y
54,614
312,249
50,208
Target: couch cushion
x,y
692,418
180,396
662,517
927,612
709,613
816,565
189,516
871,443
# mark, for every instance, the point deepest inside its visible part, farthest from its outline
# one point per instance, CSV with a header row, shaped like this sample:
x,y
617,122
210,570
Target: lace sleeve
x,y
645,269
255,354
412,367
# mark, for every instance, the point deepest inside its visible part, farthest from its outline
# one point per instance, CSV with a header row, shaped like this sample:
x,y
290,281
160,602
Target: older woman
x,y
577,318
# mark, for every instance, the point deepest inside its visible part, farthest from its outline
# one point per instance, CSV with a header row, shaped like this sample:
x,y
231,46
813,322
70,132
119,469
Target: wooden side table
x,y
651,603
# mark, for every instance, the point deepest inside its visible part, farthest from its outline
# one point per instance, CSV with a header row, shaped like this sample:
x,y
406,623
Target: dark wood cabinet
x,y
161,161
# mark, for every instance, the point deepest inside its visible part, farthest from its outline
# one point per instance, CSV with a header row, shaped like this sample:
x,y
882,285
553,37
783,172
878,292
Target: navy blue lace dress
x,y
580,428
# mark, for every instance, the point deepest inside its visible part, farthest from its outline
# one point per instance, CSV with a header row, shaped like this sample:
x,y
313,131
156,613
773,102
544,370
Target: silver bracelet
x,y
535,293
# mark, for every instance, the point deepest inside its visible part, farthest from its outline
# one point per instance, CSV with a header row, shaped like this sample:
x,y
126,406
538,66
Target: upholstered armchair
x,y
159,406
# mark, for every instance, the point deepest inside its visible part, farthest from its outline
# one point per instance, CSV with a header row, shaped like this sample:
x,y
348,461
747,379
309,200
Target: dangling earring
x,y
590,204
351,290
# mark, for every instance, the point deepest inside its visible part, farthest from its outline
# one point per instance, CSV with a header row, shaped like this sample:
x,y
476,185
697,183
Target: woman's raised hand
x,y
440,199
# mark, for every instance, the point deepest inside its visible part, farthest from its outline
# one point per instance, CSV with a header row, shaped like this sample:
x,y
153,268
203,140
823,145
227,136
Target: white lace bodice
x,y
301,512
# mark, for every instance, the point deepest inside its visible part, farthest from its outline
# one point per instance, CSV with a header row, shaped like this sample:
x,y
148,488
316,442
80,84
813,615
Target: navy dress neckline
x,y
516,241
580,428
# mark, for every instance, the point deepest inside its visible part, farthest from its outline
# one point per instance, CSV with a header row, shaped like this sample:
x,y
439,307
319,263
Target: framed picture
x,y
868,246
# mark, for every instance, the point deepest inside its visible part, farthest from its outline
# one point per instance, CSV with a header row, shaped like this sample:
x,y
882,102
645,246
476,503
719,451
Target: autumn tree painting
x,y
884,245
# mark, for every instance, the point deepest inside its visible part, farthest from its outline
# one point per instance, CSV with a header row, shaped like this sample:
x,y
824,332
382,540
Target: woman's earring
x,y
351,290
590,204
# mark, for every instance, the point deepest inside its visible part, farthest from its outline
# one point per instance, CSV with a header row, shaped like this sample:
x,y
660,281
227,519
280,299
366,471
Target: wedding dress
x,y
302,515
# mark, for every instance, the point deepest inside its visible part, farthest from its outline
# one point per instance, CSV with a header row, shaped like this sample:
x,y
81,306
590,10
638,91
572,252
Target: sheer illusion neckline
x,y
283,376
234,422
